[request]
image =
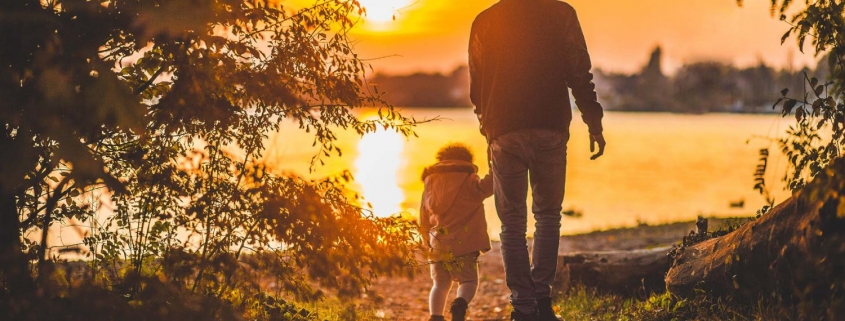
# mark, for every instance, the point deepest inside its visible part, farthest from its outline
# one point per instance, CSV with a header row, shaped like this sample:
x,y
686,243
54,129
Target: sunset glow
x,y
620,34
377,171
382,11
431,35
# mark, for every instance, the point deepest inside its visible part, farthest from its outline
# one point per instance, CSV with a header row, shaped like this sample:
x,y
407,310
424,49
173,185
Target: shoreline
x,y
406,298
739,112
643,236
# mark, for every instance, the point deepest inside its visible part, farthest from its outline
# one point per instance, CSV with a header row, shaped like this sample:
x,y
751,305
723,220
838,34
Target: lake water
x,y
657,167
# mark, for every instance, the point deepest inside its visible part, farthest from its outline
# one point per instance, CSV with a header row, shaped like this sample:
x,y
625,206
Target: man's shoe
x,y
459,309
518,316
437,318
544,305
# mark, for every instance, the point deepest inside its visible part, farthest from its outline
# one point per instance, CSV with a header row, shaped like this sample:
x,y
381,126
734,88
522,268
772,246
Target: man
x,y
523,55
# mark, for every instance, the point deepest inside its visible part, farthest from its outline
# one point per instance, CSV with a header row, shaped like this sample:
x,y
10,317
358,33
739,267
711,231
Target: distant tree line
x,y
426,89
698,87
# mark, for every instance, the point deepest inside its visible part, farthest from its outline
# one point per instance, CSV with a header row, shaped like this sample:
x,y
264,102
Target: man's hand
x,y
597,139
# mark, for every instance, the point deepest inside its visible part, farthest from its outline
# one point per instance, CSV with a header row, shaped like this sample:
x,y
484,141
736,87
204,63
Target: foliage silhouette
x,y
818,136
148,125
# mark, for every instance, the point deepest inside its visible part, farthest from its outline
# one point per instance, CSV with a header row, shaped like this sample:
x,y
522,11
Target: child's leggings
x,y
464,270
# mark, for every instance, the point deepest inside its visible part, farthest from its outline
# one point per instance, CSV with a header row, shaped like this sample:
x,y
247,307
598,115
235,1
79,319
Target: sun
x,y
381,11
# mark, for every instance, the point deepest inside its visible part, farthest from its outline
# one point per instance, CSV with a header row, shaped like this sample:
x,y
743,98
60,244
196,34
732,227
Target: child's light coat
x,y
452,218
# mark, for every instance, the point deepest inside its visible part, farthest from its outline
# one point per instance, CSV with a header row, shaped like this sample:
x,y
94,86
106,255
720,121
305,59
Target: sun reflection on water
x,y
377,171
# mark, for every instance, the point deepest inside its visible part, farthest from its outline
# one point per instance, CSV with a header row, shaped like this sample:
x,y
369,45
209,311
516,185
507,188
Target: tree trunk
x,y
14,271
623,272
796,252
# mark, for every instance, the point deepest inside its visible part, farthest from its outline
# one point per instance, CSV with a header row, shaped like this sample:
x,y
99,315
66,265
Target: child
x,y
452,223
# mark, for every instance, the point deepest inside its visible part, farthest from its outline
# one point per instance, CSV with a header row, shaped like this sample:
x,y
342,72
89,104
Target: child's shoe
x,y
436,318
459,309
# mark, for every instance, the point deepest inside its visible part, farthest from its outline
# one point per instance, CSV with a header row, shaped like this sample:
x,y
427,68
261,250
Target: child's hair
x,y
454,151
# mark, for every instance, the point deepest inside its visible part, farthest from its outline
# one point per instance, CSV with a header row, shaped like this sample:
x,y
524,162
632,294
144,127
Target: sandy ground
x,y
407,298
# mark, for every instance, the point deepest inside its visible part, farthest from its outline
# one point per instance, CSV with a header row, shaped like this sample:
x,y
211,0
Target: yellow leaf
x,y
840,211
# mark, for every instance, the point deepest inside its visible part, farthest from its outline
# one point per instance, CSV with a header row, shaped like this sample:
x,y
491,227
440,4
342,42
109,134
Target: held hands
x,y
481,126
599,138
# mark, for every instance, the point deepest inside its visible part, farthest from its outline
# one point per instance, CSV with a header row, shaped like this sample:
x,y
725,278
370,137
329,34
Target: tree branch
x,y
149,82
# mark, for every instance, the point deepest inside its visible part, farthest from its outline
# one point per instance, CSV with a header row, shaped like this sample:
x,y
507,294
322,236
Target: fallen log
x,y
622,272
796,252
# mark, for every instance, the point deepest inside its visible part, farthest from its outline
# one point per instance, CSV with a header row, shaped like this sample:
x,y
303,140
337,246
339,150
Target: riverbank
x,y
407,298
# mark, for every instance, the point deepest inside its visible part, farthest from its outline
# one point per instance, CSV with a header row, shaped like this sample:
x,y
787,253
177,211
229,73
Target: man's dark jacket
x,y
523,55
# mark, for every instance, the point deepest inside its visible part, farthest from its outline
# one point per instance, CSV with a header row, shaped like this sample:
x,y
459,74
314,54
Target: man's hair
x,y
454,151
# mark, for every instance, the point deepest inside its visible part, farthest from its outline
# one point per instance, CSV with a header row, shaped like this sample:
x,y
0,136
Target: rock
x,y
622,272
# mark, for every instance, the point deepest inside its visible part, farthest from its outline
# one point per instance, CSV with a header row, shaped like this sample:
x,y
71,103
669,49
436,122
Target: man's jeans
x,y
541,155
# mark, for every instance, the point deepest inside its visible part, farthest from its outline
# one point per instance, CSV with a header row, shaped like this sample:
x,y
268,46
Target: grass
x,y
586,304
333,309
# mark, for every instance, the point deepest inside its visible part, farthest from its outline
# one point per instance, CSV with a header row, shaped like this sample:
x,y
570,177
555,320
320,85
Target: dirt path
x,y
407,299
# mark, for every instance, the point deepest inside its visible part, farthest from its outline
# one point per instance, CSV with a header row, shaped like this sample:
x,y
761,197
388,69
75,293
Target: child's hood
x,y
443,182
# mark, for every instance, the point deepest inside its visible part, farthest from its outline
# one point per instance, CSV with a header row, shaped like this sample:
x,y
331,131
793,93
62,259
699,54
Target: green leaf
x,y
802,36
830,102
817,106
788,106
776,103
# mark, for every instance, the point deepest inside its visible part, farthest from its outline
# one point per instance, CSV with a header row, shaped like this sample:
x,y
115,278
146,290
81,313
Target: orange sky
x,y
431,35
